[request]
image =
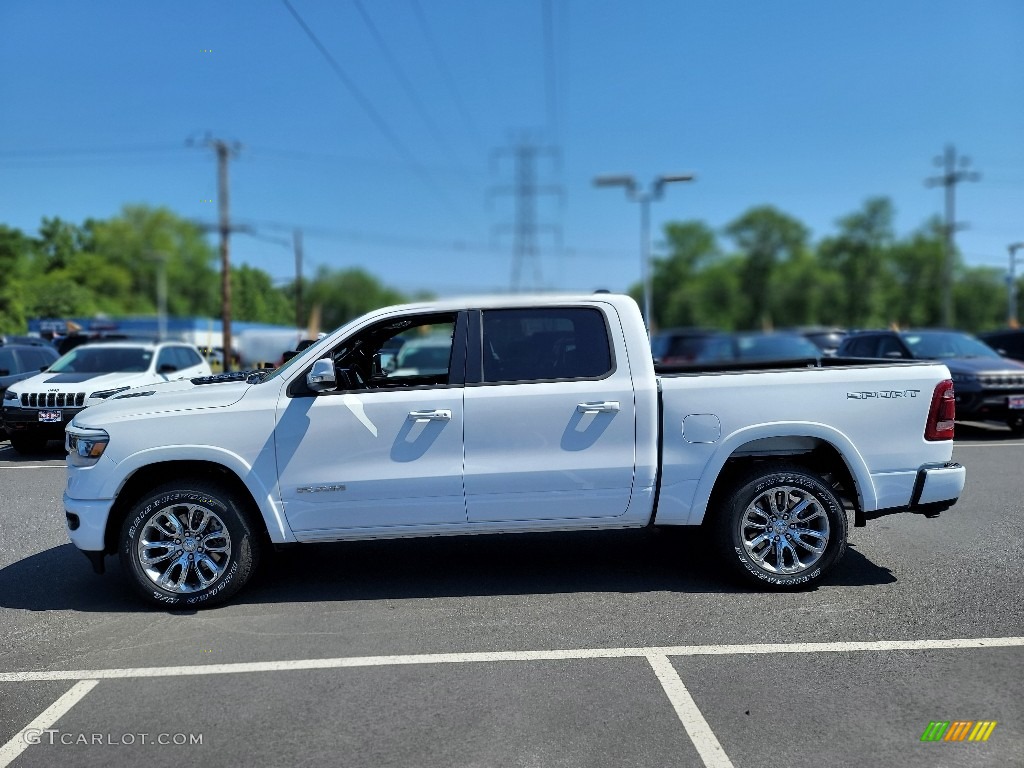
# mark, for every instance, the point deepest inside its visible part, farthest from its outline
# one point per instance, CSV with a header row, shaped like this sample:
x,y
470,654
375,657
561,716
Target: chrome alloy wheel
x,y
184,547
785,530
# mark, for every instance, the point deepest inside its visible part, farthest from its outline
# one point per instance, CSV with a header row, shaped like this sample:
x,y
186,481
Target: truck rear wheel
x,y
782,527
189,544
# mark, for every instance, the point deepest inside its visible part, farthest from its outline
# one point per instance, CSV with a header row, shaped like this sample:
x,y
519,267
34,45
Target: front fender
x,y
252,475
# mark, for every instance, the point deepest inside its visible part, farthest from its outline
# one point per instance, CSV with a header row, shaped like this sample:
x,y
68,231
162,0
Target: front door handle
x,y
435,415
606,406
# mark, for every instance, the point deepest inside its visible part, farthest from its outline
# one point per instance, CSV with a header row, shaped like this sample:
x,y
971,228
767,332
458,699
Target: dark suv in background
x,y
688,346
22,360
987,386
1008,343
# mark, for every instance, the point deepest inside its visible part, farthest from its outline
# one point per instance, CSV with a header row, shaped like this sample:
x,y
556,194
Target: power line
x,y
418,244
550,84
407,85
107,150
372,113
435,51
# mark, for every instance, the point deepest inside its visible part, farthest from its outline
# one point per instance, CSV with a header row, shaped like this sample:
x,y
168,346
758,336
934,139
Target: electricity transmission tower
x,y
525,252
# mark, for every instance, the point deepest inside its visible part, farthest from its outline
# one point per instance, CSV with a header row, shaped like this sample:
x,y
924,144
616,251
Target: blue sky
x,y
809,106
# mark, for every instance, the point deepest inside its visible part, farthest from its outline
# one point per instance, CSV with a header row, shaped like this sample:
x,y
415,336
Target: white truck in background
x,y
548,416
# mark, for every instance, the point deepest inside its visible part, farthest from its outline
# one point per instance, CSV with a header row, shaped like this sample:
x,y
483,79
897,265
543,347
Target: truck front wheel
x,y
782,527
189,545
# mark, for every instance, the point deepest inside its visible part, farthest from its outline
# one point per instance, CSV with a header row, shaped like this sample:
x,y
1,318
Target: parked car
x,y
34,341
36,409
825,338
426,356
778,346
23,361
987,386
686,346
695,349
548,415
1008,343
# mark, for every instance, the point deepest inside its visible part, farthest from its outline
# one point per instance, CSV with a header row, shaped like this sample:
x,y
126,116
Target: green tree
x,y
254,297
914,296
980,299
16,251
132,241
765,237
343,295
860,256
675,297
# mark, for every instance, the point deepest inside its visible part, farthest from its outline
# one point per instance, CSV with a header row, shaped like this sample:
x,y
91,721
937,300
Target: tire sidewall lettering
x,y
153,505
825,497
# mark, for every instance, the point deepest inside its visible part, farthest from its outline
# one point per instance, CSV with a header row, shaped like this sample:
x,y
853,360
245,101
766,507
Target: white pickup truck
x,y
542,414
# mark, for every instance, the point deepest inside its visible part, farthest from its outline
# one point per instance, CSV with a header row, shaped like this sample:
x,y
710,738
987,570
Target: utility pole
x,y
1011,284
950,177
224,151
297,240
526,189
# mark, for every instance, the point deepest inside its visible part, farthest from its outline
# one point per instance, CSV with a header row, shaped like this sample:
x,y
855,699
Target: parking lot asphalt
x,y
581,649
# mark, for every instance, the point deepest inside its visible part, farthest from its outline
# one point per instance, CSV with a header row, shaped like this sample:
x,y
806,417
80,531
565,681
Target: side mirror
x,y
322,376
4,372
167,368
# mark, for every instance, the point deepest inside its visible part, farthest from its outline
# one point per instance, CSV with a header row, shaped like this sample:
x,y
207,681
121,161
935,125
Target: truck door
x,y
550,421
384,448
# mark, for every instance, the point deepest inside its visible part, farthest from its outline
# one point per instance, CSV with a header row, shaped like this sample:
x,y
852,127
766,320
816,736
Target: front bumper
x,y
86,521
25,421
986,403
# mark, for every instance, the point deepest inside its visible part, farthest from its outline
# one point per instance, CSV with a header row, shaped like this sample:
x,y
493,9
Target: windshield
x,y
943,345
104,360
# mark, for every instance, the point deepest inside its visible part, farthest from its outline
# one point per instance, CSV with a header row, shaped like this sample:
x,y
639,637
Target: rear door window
x,y
545,344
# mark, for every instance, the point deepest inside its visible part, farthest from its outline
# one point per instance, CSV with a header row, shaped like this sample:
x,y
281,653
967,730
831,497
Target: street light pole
x,y
1011,305
644,198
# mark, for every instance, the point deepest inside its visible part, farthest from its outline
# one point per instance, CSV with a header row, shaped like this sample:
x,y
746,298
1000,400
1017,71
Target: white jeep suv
x,y
37,409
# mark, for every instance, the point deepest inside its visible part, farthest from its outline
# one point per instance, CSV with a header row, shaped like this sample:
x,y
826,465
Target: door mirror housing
x,y
322,377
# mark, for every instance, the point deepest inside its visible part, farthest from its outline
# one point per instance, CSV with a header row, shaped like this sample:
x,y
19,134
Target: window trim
x,y
475,375
456,367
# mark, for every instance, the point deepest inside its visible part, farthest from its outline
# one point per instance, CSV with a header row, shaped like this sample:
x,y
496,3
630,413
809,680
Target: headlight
x,y
965,378
8,395
103,394
85,446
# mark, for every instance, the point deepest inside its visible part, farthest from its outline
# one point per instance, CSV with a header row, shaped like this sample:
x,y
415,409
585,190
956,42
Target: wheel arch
x,y
150,476
816,447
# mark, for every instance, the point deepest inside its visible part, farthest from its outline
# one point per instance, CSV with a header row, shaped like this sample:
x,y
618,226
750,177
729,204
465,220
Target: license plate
x,y
53,417
1016,402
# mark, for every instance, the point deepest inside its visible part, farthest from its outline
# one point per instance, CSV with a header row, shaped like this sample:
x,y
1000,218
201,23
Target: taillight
x,y
942,413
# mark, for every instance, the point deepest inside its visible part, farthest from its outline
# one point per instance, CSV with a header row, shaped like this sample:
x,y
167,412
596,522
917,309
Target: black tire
x,y
28,443
211,544
768,502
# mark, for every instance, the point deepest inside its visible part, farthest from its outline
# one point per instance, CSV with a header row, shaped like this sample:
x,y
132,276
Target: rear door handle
x,y
435,415
607,406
